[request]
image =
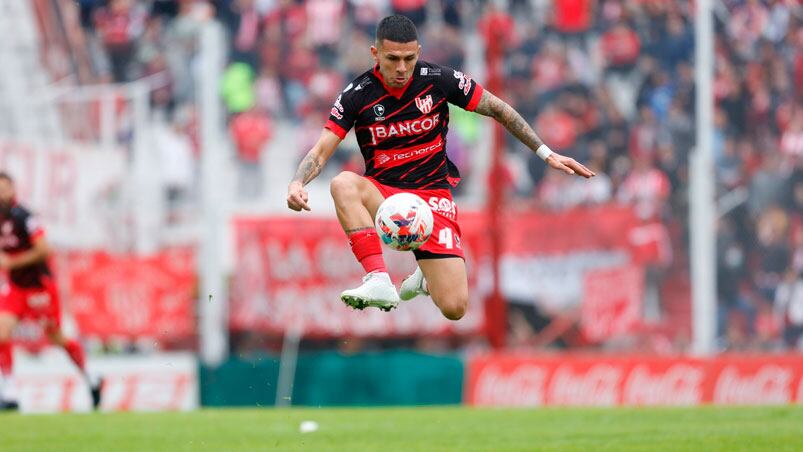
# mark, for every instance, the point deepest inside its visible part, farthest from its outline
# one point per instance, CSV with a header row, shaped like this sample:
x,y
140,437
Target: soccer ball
x,y
404,222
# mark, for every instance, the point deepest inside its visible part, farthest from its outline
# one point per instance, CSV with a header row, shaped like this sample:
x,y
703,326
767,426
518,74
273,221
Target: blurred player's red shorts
x,y
32,303
445,239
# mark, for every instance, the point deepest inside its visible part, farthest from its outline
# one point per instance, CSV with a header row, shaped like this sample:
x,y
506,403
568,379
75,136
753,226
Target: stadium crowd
x,y
609,82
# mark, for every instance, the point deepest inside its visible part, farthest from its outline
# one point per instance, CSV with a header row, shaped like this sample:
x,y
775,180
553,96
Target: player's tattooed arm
x,y
498,109
506,115
308,169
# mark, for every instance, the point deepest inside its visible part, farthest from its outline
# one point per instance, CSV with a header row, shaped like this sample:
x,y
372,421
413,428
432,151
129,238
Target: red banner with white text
x,y
611,302
522,380
290,272
128,296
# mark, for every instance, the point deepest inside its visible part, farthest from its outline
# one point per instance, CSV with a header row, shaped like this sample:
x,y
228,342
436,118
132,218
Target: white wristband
x,y
543,151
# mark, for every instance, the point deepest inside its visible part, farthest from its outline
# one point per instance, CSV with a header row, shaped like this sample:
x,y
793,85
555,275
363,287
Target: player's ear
x,y
375,54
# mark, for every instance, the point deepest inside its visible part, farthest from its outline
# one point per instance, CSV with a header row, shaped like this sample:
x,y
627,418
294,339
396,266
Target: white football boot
x,y
413,285
377,290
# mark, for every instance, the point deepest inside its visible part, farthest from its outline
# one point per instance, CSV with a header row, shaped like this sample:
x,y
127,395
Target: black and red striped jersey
x,y
19,228
402,131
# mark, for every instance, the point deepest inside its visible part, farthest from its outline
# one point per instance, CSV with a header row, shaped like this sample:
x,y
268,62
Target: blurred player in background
x,y
400,115
31,291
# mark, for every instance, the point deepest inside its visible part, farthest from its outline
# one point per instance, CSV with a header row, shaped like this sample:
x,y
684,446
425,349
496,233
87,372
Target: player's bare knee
x,y
454,308
55,337
7,324
344,186
6,328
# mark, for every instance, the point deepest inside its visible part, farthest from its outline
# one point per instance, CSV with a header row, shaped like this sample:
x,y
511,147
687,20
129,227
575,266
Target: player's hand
x,y
568,165
5,261
297,197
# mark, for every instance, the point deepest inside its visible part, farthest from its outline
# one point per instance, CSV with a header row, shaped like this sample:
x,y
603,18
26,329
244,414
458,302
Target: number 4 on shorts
x,y
445,238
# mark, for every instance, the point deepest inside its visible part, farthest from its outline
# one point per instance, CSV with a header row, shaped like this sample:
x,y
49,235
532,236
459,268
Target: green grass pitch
x,y
412,429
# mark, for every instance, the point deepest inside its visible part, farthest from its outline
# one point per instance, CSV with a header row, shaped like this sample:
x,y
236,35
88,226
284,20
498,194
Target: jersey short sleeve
x,y
34,227
343,112
460,89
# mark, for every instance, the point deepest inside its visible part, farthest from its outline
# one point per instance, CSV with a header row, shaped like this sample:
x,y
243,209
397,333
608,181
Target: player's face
x,y
6,192
396,61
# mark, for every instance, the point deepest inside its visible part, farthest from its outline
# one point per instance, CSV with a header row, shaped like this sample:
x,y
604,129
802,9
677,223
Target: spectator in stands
x,y
177,166
792,141
238,87
767,185
572,18
731,272
250,130
244,25
646,188
415,10
789,299
365,14
325,28
772,252
119,25
620,47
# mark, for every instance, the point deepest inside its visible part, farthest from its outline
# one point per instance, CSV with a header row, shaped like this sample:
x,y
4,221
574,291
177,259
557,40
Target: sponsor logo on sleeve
x,y
337,109
465,82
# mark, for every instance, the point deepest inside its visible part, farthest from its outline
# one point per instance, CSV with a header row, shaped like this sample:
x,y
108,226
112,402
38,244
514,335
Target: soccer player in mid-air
x,y
31,292
400,114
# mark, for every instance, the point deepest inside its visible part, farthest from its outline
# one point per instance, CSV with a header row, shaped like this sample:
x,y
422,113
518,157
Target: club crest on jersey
x,y
379,110
424,104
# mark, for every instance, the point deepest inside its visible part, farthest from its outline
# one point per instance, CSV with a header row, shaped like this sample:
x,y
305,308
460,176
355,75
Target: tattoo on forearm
x,y
498,109
308,169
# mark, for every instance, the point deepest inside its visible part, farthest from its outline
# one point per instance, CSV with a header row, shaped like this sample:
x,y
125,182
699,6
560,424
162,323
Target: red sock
x,y
6,358
76,352
367,249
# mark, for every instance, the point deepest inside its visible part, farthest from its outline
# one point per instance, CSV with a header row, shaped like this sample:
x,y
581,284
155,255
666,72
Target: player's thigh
x,y
8,320
12,306
447,281
53,332
370,196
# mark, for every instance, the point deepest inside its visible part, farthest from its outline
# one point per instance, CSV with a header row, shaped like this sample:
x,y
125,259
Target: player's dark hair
x,y
6,176
396,28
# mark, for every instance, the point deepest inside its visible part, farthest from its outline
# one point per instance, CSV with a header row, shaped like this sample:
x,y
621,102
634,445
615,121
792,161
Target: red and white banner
x,y
547,255
290,272
611,302
517,380
74,190
129,296
164,382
